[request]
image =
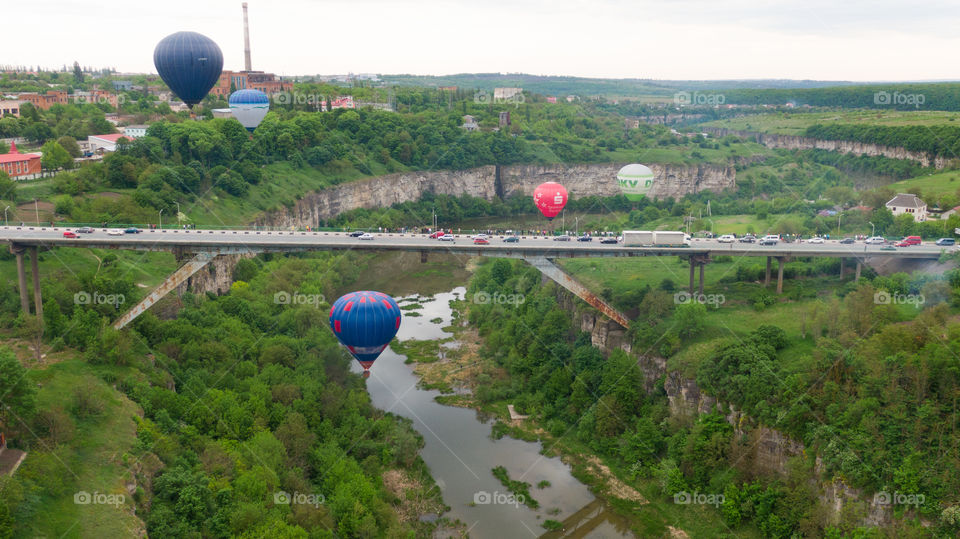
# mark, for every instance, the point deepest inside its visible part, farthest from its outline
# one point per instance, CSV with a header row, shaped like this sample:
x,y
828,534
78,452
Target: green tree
x,y
70,144
54,156
8,187
19,394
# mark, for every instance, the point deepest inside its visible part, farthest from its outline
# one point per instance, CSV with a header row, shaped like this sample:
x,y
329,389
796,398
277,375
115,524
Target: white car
x,y
817,239
446,237
876,240
366,236
115,232
769,239
727,238
481,237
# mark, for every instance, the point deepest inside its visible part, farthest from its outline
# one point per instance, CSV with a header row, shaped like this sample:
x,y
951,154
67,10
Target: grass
x,y
931,184
93,461
145,268
796,123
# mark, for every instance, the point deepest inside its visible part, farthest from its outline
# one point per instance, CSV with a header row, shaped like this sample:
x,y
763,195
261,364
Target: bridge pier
x,y
702,264
423,257
779,275
21,278
766,280
692,270
695,262
857,278
35,268
842,264
549,269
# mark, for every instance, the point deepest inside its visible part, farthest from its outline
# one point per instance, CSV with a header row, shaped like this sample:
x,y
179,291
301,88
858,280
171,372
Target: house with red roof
x,y
20,165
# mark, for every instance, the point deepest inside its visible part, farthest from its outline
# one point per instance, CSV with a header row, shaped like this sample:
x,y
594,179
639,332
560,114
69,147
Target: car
x,y
875,240
902,243
69,234
609,240
446,237
562,238
365,236
847,241
946,241
585,238
748,238
727,238
511,239
769,239
481,241
115,232
132,230
888,248
816,239
481,236
911,240
437,235
357,233
84,230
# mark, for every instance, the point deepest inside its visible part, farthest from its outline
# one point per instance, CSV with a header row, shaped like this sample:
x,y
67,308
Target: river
x,y
461,453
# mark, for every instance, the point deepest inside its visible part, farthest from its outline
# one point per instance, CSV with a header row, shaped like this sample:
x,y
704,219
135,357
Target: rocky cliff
x,y
792,142
580,180
768,450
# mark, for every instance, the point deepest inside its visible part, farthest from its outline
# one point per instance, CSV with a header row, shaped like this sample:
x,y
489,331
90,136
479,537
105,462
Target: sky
x,y
850,40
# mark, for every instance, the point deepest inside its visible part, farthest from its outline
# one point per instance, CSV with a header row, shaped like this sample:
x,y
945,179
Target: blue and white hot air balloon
x,y
365,322
249,107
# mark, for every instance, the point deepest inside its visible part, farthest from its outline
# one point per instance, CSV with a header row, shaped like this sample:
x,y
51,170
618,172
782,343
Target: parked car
x,y
946,241
910,240
511,239
365,236
748,238
132,230
727,238
69,234
609,240
481,241
847,241
770,239
84,230
816,239
115,232
562,238
357,233
446,237
585,238
876,240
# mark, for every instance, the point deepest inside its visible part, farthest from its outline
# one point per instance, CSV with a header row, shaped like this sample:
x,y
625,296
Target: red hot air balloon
x,y
550,198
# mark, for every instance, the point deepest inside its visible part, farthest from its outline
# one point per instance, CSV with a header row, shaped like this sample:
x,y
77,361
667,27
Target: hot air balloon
x,y
635,181
249,107
550,198
365,322
190,64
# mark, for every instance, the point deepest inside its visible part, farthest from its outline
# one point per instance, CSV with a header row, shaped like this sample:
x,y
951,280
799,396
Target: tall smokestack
x,y
246,40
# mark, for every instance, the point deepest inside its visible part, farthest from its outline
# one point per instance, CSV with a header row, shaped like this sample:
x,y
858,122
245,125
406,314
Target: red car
x,y
436,234
481,241
69,234
909,240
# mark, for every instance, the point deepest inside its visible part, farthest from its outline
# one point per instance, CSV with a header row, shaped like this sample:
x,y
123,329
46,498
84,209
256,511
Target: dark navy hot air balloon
x,y
365,322
190,64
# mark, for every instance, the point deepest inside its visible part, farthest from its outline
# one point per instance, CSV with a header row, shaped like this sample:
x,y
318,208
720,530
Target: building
x,y
45,101
504,94
10,107
95,97
135,131
952,211
504,119
267,83
20,165
105,143
631,123
125,85
470,123
447,88
345,102
552,100
908,203
222,113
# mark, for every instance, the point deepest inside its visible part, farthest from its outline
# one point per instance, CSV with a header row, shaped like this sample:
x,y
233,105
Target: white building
x,y
470,123
908,203
10,107
135,131
503,94
104,143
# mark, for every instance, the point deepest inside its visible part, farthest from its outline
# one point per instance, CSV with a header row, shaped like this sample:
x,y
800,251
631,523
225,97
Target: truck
x,y
655,238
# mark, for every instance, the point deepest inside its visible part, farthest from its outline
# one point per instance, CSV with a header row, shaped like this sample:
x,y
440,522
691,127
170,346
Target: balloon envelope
x,y
365,322
550,198
635,181
190,64
249,107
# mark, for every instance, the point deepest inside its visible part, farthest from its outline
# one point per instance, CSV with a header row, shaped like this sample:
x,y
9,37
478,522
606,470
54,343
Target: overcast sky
x,y
659,39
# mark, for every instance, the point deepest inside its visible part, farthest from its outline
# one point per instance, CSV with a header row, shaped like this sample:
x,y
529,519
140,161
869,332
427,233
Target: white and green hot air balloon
x,y
635,181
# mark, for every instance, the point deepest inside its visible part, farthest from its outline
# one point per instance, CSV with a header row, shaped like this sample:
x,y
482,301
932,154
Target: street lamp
x,y
873,230
839,215
161,218
5,215
178,213
36,208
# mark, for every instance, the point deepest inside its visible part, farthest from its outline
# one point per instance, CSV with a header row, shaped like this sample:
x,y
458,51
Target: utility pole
x,y
873,230
5,215
36,208
161,218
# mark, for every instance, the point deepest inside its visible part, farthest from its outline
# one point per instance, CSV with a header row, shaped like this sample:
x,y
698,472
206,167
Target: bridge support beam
x,y
35,269
702,264
766,280
171,283
21,279
549,269
779,275
423,257
859,265
693,266
842,266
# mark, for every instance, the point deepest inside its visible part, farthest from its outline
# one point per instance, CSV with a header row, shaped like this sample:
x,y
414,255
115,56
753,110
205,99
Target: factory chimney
x,y
246,40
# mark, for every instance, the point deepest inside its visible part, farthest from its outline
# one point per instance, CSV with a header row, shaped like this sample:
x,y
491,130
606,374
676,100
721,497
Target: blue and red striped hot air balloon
x,y
365,322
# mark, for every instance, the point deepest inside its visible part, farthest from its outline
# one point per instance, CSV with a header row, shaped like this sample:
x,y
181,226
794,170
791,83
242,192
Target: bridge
x,y
202,246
